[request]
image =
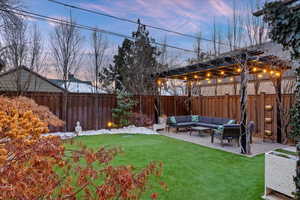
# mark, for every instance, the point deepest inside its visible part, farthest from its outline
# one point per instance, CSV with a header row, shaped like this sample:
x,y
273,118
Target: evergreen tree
x,y
115,73
284,22
122,113
135,65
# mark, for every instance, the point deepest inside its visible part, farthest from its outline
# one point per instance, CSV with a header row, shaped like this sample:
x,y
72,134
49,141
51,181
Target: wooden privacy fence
x,y
95,111
229,107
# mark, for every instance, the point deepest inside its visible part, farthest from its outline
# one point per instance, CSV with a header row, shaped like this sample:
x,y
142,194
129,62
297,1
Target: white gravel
x,y
125,130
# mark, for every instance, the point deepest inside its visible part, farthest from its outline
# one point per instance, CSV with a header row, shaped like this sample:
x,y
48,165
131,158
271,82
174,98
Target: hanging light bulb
x,y
219,80
260,76
265,71
222,72
208,74
208,81
239,69
158,82
272,72
277,74
185,78
196,76
254,69
231,79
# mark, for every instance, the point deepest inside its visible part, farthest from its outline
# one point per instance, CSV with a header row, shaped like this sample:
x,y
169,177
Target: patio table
x,y
200,129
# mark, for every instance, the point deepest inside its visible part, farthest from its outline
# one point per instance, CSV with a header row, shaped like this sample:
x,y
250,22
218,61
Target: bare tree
x,y
235,29
66,42
22,47
6,13
256,28
99,48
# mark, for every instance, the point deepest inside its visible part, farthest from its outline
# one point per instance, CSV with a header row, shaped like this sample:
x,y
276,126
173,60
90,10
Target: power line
x,y
61,21
134,22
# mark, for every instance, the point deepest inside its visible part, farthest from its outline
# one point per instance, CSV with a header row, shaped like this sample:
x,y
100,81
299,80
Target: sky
x,y
185,16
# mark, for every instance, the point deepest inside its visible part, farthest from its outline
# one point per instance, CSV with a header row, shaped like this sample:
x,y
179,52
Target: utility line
x,y
134,22
61,21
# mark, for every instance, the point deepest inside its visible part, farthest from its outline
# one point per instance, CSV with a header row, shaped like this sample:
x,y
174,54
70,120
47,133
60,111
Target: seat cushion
x,y
185,124
183,119
203,119
213,126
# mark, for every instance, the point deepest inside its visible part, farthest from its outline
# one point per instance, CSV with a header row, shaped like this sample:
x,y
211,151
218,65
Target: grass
x,y
286,152
190,171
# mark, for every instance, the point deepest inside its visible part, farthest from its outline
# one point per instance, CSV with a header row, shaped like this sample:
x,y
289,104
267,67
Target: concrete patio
x,y
204,139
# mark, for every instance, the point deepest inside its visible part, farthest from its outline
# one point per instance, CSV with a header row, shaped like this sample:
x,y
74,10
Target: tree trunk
x,y
245,139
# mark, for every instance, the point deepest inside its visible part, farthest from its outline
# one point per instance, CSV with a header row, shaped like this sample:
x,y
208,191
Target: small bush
x,y
139,119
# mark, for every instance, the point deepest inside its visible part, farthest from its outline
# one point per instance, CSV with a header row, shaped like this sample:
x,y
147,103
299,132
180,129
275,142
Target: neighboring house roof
x,y
37,83
76,85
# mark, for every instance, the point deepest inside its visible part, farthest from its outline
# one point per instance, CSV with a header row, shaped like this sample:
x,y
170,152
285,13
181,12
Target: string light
x,y
109,124
271,72
208,74
265,71
238,69
222,72
231,79
277,74
159,82
219,80
196,76
260,75
254,69
208,81
185,78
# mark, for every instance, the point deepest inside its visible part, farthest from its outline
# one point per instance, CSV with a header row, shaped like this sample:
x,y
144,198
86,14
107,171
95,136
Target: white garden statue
x,y
78,128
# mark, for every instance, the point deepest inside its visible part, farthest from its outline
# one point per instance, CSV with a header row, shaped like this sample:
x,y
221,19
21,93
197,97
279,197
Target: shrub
x,y
139,119
122,113
33,166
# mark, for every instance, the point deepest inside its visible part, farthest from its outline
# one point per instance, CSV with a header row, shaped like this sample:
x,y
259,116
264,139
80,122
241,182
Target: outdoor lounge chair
x,y
227,132
230,132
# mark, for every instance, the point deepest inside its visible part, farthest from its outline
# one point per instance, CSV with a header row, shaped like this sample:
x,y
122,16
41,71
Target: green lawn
x,y
191,171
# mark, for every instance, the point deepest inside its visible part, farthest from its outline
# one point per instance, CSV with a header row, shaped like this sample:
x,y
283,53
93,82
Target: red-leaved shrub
x,y
139,119
33,166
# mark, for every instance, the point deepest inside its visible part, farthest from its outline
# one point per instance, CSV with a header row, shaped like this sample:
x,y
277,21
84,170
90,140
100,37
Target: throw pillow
x,y
173,120
220,128
195,118
231,121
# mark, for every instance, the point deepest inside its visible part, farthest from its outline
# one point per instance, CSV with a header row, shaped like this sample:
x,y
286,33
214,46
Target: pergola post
x,y
245,147
278,110
189,94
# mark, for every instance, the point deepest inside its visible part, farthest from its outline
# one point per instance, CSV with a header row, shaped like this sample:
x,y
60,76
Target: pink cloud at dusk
x,y
190,14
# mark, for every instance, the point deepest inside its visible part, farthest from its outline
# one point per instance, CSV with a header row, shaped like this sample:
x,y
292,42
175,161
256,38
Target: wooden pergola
x,y
239,63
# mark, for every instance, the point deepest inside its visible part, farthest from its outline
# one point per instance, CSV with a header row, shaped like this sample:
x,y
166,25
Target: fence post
x,y
262,112
226,105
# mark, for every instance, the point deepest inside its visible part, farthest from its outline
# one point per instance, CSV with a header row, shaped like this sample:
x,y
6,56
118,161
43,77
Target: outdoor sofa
x,y
222,128
187,121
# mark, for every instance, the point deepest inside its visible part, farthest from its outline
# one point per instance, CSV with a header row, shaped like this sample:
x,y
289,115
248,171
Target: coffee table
x,y
200,129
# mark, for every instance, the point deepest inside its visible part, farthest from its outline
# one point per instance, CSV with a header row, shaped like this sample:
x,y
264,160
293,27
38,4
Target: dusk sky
x,y
186,16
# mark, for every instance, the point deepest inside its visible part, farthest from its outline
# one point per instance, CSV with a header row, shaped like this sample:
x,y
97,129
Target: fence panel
x,y
95,111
